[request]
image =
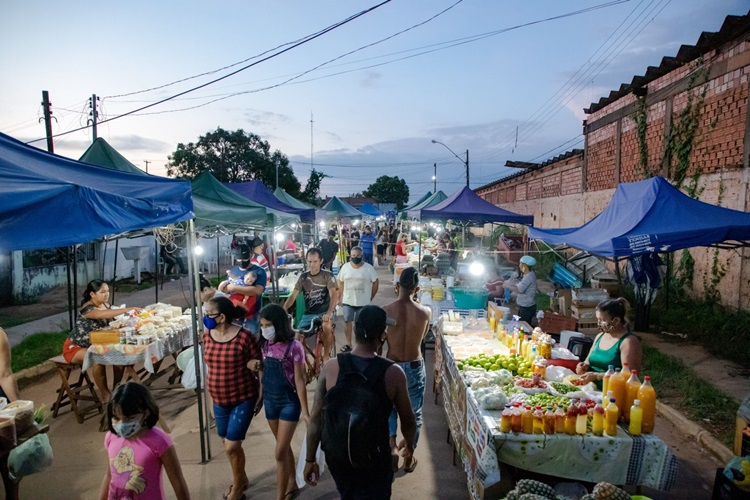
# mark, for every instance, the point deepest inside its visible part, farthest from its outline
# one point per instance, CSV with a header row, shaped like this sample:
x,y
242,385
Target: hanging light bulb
x,y
198,250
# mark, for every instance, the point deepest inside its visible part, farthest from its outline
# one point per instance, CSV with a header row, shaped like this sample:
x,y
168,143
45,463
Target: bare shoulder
x,y
632,341
394,375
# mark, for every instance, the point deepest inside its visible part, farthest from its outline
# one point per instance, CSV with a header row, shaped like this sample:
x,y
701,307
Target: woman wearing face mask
x,y
232,355
615,345
284,390
137,449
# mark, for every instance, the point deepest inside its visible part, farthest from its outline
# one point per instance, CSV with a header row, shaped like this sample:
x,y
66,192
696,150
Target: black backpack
x,y
355,415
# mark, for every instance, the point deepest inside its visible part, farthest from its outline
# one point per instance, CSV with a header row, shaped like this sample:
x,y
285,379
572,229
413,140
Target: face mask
x,y
356,260
127,429
268,332
605,326
209,323
244,263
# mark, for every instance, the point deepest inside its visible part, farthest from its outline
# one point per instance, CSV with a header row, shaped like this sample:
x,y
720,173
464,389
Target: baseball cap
x,y
242,252
373,320
256,242
528,260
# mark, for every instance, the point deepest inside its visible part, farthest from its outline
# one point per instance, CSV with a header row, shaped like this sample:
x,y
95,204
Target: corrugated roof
x,y
733,27
532,167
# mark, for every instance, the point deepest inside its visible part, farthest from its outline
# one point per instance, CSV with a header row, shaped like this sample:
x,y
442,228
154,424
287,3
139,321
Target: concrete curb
x,y
35,371
695,431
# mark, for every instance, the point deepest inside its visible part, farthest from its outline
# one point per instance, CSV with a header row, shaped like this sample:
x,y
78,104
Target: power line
x,y
275,54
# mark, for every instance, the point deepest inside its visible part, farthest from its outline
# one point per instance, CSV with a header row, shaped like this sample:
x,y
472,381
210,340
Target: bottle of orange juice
x,y
571,417
625,372
560,420
636,419
611,415
505,418
607,376
647,397
538,420
634,384
597,426
527,420
549,421
618,387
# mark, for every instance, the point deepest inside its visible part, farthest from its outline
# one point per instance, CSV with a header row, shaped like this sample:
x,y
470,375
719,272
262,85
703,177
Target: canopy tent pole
x,y
202,409
71,300
670,257
275,262
114,273
619,276
218,259
156,274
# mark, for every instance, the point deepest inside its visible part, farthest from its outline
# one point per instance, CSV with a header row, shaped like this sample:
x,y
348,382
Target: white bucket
x,y
450,281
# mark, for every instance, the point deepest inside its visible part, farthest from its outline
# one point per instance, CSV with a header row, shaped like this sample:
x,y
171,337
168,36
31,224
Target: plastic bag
x,y
35,455
557,373
186,363
320,457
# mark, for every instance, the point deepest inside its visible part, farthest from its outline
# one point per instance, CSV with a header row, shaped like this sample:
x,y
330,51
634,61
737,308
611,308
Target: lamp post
x,y
434,178
465,162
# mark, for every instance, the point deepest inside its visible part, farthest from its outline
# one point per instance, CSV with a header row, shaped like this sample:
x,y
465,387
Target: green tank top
x,y
600,359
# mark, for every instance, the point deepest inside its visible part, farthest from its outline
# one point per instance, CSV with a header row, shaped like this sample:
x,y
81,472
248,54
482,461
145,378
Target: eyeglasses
x,y
213,315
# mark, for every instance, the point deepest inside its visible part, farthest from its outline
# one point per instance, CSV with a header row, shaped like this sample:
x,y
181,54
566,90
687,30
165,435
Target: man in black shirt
x,y
328,249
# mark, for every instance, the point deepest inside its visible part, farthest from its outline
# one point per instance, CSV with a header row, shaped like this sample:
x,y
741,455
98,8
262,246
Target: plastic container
x,y
469,298
22,412
565,336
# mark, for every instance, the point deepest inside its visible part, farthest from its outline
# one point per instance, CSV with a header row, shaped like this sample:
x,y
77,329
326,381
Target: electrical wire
x,y
275,54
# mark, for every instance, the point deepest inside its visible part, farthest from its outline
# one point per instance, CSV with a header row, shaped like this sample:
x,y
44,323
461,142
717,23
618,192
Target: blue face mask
x,y
209,322
127,429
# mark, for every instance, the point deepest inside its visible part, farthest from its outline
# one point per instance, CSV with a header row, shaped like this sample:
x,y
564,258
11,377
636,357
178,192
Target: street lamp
x,y
465,162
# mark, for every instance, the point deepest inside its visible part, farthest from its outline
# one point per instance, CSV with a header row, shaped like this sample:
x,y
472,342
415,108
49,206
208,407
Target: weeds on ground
x,y
133,287
677,385
542,302
723,331
37,348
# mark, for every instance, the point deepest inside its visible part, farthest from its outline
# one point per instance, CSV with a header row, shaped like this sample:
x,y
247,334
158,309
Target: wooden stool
x,y
71,393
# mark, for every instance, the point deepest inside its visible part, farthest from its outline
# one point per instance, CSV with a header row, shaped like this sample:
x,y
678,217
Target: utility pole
x,y
467,168
146,162
48,120
277,172
434,178
94,116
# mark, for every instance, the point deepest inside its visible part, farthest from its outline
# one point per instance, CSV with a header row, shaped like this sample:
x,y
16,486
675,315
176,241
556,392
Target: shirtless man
x,y
404,347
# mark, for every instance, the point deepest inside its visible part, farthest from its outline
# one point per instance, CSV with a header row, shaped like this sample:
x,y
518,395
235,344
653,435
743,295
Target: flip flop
x,y
394,462
412,467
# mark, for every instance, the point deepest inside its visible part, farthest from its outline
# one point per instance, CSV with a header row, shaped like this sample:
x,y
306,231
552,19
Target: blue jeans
x,y
415,381
306,320
367,257
232,421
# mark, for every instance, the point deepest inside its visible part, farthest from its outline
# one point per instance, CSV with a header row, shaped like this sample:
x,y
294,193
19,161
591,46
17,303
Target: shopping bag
x,y
35,455
186,363
320,457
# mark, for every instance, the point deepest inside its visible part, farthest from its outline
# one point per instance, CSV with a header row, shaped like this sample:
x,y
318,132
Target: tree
x,y
233,157
388,189
312,188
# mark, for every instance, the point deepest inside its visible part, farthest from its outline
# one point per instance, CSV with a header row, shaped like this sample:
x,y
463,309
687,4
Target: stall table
x,y
624,459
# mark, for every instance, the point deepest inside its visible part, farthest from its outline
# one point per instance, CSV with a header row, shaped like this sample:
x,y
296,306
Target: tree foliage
x,y
236,156
311,193
388,189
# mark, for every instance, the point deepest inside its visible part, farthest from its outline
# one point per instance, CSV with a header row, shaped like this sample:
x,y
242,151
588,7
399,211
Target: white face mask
x,y
268,332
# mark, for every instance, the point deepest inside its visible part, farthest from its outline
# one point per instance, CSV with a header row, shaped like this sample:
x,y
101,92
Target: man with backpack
x,y
355,395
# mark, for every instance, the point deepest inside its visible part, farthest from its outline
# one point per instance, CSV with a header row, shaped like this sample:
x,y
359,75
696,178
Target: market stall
x,y
474,410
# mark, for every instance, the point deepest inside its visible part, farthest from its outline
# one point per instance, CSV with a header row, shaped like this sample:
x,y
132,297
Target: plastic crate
x,y
447,305
469,298
556,323
724,489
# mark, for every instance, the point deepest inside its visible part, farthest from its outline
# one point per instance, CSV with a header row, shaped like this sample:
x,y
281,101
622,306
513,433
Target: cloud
x,y
371,79
257,117
138,143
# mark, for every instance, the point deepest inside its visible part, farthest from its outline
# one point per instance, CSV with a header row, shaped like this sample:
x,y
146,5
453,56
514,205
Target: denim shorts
x,y
351,312
282,406
306,320
232,421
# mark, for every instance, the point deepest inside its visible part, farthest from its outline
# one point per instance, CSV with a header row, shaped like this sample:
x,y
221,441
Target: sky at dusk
x,y
379,88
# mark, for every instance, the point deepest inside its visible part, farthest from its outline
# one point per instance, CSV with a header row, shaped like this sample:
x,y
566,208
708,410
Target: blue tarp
x,y
466,205
368,209
50,201
259,193
651,216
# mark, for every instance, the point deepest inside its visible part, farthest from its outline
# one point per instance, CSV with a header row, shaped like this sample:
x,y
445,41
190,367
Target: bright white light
x,y
476,268
414,228
439,230
355,222
463,255
433,177
198,250
279,237
322,224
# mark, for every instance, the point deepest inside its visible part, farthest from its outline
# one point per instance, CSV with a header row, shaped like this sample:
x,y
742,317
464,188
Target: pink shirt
x,y
135,466
296,355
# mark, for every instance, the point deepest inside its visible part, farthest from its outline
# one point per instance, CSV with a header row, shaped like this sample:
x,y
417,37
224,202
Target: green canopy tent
x,y
290,200
100,153
403,211
431,200
339,210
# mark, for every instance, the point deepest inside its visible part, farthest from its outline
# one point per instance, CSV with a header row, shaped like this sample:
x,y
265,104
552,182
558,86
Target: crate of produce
x,y
469,298
583,314
556,323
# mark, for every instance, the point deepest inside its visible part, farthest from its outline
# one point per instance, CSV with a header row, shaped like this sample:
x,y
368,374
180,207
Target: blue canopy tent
x,y
36,187
368,209
652,216
259,193
647,217
466,205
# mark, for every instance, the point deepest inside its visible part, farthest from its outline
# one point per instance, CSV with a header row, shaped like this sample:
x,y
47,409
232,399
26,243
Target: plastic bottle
x,y
560,420
516,418
582,420
636,418
571,417
634,384
527,420
549,421
611,414
607,375
522,348
647,397
532,355
597,426
618,387
625,372
505,419
538,421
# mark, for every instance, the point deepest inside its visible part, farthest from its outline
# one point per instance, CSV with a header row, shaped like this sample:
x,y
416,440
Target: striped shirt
x,y
229,380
